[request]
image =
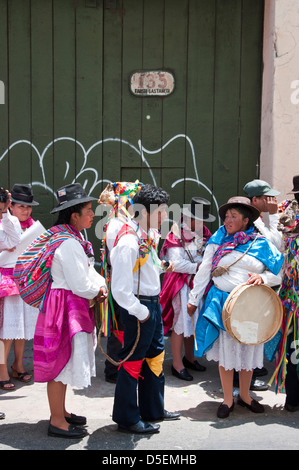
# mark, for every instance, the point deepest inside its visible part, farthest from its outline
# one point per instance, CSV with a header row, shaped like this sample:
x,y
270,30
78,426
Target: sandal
x,y
20,375
6,382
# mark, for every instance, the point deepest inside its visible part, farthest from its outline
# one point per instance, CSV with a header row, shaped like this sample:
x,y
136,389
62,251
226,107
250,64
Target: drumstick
x,y
195,343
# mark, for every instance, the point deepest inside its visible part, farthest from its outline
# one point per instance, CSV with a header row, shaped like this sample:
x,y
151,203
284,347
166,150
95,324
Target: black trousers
x,y
141,398
113,346
292,381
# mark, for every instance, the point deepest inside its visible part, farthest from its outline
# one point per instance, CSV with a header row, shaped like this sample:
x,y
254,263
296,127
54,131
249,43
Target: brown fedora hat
x,y
239,201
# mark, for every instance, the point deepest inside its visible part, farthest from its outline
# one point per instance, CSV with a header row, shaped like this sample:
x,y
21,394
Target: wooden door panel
x,y
70,115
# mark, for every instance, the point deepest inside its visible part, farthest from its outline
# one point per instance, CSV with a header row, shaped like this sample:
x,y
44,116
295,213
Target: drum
x,y
252,314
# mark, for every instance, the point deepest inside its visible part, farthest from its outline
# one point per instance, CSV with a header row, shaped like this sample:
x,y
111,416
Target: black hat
x,y
295,185
199,209
239,201
71,195
22,194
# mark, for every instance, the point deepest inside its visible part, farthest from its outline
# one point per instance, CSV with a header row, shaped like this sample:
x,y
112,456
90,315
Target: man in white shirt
x,y
119,195
263,197
135,286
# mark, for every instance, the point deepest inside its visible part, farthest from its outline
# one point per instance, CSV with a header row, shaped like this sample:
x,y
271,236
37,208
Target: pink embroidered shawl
x,y
173,282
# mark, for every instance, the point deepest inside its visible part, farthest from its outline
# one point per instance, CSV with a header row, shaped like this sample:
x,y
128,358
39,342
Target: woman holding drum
x,y
235,254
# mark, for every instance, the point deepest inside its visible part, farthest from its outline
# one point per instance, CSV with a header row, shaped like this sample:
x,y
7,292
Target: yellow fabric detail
x,y
156,363
140,262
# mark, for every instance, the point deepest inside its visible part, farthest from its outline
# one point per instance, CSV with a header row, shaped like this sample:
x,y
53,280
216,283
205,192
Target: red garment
x,y
173,282
133,368
119,335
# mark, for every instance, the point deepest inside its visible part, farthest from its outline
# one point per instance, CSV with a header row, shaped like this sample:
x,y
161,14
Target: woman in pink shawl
x,y
19,319
184,246
65,339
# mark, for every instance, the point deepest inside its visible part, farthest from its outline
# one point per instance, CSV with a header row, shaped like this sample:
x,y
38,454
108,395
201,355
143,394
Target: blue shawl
x,y
209,321
262,249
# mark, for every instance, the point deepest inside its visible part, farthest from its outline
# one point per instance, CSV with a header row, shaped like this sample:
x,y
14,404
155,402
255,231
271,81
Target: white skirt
x,y
182,322
81,365
19,319
231,354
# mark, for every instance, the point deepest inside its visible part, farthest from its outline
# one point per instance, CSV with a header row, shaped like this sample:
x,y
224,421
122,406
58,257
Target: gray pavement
x,y
27,417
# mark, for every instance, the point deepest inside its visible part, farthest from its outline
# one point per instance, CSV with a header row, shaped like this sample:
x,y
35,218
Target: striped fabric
x,y
32,271
239,238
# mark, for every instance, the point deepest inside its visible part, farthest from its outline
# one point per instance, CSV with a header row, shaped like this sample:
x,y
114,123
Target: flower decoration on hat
x,y
119,193
124,191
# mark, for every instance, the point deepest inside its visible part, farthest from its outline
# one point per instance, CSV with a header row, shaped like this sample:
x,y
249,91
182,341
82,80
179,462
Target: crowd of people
x,y
51,292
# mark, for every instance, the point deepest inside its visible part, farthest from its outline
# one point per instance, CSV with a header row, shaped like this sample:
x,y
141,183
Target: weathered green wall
x,y
69,114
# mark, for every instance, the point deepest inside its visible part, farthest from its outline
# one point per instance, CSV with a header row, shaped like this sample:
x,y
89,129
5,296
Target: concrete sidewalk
x,y
27,416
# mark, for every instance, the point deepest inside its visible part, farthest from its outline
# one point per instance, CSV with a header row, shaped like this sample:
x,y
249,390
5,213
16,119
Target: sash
x,y
262,249
145,245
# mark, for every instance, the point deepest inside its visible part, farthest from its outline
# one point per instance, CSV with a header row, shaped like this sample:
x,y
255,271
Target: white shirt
x,y
272,233
113,228
8,259
238,274
124,284
71,270
10,231
181,260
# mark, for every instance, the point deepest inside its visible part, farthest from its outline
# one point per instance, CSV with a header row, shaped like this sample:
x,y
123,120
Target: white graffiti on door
x,y
143,152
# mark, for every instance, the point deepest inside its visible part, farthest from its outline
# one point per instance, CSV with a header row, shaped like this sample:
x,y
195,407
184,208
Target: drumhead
x,y
252,314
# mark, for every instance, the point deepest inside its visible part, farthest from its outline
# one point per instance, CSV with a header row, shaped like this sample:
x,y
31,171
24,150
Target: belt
x,y
154,299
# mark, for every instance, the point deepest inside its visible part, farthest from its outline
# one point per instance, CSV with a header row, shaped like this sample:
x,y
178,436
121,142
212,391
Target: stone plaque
x,y
152,83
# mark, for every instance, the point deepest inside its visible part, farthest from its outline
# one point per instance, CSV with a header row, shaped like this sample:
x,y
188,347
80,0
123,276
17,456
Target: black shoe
x,y
71,433
142,427
224,411
289,407
193,365
254,406
183,374
170,416
76,420
260,372
2,415
167,416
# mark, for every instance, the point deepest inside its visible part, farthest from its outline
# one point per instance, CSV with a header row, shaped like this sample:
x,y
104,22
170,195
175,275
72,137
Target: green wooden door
x,y
69,114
